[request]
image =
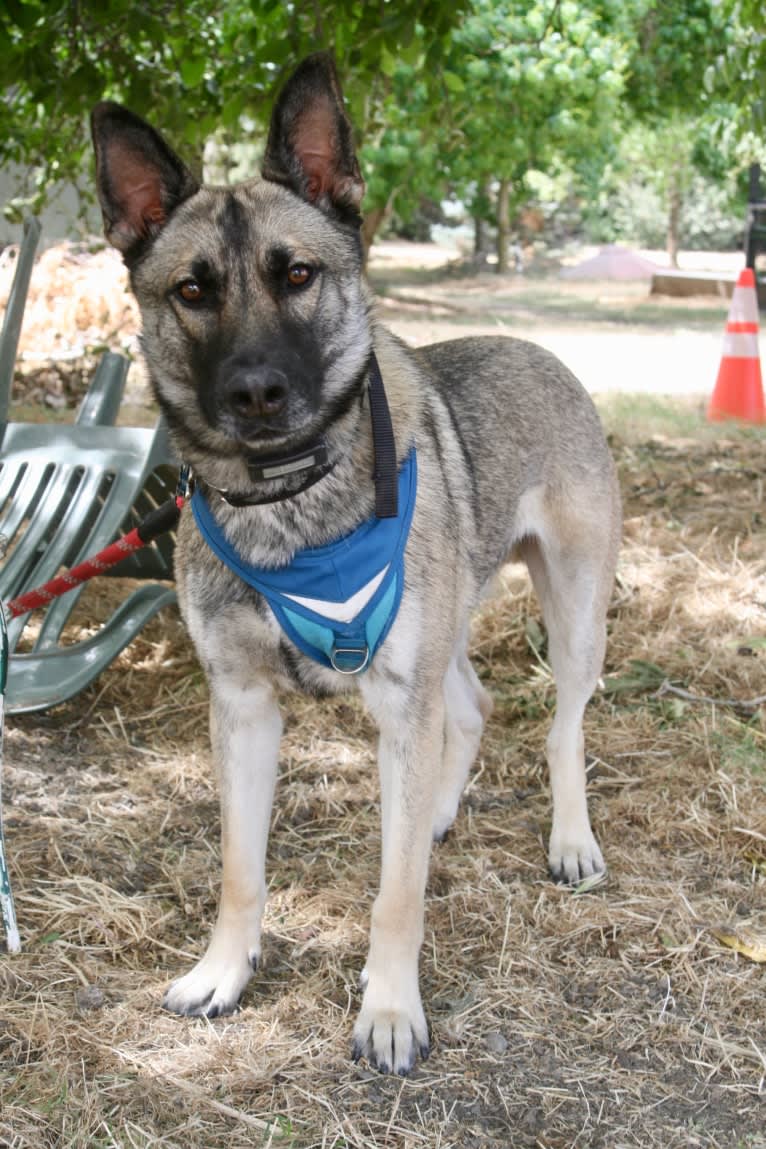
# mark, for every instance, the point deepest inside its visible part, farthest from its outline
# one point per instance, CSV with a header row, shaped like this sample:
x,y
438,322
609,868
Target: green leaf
x,y
643,676
387,63
453,82
193,70
23,15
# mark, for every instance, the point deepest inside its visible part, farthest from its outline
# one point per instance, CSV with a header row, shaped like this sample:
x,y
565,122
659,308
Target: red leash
x,y
156,523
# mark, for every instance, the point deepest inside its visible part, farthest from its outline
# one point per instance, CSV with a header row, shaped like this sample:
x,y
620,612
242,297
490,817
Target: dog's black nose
x,y
256,392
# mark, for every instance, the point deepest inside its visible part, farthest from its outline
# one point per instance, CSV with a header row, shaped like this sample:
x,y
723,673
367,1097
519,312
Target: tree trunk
x,y
480,207
372,222
675,204
479,236
503,225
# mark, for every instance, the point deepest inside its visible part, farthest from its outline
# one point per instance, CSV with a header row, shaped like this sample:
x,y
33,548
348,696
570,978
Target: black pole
x,y
751,233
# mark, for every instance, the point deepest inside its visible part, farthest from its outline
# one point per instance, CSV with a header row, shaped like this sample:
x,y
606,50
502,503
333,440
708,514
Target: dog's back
x,y
523,422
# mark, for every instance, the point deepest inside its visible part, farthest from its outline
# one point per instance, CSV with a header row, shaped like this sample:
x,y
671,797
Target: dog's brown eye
x,y
190,291
299,275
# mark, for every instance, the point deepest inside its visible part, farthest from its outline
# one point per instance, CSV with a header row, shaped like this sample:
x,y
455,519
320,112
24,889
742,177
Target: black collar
x,y
313,463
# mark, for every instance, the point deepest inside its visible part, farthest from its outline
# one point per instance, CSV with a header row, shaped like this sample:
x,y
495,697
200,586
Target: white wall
x,y
60,219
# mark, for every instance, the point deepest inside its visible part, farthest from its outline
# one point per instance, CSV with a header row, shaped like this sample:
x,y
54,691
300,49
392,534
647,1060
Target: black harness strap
x,y
384,445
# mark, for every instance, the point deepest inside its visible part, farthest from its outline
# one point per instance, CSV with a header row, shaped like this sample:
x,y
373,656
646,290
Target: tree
x,y
736,76
403,146
674,43
530,85
468,97
188,65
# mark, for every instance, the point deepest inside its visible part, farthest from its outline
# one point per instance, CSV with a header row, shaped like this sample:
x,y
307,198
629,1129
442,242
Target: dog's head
x,y
254,315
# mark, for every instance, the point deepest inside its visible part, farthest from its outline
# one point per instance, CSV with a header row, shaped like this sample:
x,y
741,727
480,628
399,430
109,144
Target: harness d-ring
x,y
337,654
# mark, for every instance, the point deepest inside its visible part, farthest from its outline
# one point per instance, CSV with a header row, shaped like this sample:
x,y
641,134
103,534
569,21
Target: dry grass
x,y
78,299
612,1018
78,305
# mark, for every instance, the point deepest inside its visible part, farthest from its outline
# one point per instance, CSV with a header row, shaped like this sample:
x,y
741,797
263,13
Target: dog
x,y
299,414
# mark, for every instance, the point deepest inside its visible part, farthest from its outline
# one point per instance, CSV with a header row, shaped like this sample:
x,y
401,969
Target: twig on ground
x,y
737,703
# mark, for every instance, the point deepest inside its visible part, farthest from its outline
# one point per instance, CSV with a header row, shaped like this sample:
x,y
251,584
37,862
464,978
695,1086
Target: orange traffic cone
x,y
738,393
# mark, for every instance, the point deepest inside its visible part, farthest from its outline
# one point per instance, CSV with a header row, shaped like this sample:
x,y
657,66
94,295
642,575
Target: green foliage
x,y
736,75
641,678
190,66
401,153
521,86
699,56
739,748
629,202
540,82
446,99
673,42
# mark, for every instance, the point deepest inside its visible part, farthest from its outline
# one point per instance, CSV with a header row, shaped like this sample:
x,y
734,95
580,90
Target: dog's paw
x,y
391,1030
212,989
573,857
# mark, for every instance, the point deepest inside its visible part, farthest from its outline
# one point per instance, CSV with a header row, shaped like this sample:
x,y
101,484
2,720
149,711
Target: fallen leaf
x,y
757,861
745,942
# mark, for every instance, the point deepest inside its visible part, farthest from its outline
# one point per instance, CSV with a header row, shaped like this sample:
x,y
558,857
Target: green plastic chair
x,y
65,493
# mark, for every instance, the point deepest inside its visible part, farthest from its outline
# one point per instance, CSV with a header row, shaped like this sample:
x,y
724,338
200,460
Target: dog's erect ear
x,y
310,146
140,179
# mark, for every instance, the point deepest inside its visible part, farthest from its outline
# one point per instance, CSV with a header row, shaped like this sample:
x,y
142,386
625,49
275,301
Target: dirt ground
x,y
629,1015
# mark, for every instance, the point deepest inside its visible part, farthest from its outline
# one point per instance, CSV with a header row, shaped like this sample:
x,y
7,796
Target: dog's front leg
x,y
391,1029
245,726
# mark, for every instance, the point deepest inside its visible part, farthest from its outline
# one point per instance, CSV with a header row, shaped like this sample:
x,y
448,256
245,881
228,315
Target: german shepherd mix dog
x,y
312,544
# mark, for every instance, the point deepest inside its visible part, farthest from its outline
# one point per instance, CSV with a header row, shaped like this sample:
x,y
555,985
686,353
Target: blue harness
x,y
338,602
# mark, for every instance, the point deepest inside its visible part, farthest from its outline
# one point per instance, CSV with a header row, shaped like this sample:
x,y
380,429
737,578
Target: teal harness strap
x,y
336,603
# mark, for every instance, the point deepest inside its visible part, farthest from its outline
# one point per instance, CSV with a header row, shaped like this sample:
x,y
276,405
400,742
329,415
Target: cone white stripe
x,y
740,345
744,306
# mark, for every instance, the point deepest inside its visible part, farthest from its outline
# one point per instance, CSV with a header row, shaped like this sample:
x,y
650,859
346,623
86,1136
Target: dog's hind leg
x,y
245,730
572,573
467,705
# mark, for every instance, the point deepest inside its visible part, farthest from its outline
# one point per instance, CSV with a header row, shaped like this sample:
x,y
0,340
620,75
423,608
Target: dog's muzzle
x,y
256,397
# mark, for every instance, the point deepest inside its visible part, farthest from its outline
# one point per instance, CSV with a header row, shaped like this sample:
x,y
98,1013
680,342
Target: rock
x,y
495,1042
89,997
